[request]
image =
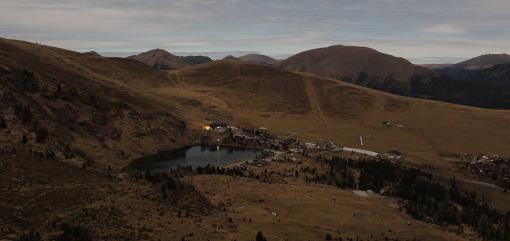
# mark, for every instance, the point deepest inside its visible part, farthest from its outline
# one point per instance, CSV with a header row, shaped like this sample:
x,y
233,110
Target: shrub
x,y
328,237
41,134
31,236
74,233
260,237
3,125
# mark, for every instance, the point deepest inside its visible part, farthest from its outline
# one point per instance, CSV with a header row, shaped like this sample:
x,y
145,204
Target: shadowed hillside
x,y
367,67
500,73
79,107
487,88
483,62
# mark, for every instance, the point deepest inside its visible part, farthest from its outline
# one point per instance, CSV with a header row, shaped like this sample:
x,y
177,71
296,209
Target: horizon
x,y
221,54
218,55
422,32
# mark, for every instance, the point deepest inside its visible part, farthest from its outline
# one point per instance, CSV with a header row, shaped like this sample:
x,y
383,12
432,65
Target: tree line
x,y
424,198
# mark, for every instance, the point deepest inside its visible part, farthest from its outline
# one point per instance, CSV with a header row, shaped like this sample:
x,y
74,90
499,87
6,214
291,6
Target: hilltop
x,y
92,53
163,60
358,65
258,59
483,62
230,57
160,59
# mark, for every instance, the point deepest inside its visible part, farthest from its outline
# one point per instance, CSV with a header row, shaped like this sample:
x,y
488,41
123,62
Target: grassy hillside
x,y
318,108
81,108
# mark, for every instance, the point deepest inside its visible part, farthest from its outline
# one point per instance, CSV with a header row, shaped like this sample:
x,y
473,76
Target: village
x,y
289,155
274,149
277,148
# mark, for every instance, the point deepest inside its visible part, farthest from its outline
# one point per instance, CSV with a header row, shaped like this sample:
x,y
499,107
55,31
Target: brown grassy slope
x,y
39,195
318,108
88,110
117,71
308,212
350,63
278,86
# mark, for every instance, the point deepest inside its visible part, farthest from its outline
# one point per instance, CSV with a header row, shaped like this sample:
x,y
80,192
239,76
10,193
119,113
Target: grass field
x,y
328,109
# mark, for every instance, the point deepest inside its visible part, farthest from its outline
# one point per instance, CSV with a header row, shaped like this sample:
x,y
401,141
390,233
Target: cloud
x,y
408,28
444,29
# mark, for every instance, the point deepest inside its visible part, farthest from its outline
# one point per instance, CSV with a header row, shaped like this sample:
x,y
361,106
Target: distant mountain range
x,y
483,61
215,55
163,60
258,59
436,66
477,82
482,81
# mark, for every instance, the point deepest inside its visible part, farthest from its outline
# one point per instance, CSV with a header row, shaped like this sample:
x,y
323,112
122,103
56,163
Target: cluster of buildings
x,y
280,149
493,167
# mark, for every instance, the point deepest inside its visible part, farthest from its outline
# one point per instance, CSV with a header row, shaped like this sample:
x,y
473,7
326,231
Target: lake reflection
x,y
197,156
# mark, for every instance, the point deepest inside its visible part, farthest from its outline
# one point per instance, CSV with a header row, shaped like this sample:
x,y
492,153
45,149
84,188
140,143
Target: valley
x,y
74,122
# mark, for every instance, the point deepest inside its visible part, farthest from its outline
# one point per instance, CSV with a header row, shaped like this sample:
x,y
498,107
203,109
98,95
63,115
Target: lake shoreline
x,y
179,155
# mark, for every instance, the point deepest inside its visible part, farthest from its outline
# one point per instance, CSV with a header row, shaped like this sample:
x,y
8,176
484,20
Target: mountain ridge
x,y
359,65
163,60
483,62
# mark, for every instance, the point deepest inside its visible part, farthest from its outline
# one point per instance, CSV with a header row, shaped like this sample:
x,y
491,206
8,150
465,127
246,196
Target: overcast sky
x,y
419,30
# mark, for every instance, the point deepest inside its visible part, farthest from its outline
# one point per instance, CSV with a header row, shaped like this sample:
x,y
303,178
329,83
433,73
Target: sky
x,y
431,31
